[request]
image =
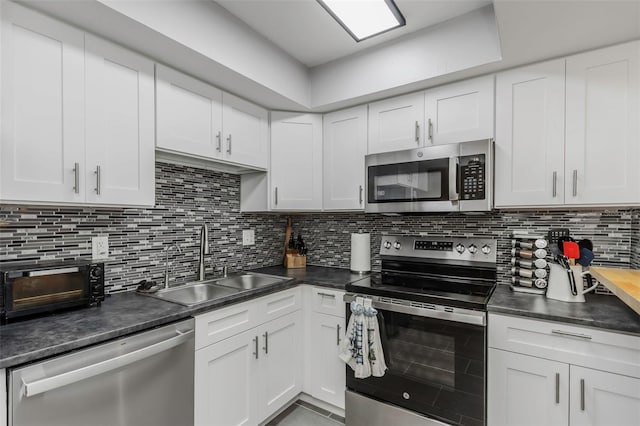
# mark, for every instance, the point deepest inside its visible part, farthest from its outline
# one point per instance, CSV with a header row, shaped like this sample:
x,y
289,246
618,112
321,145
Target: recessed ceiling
x,y
307,32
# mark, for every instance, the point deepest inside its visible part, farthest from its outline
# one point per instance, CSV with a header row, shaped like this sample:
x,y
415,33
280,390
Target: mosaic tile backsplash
x,y
187,197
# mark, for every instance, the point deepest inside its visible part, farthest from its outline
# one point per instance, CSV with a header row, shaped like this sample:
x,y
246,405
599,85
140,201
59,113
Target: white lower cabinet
x,y
569,389
3,397
601,398
328,379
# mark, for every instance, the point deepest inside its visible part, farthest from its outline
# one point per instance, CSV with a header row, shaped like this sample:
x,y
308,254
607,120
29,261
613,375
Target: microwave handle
x,y
53,272
454,171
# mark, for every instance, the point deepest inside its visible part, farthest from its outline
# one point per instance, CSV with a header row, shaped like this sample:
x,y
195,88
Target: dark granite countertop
x,y
599,311
126,313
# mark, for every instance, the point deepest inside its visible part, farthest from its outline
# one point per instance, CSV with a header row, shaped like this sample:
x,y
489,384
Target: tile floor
x,y
302,413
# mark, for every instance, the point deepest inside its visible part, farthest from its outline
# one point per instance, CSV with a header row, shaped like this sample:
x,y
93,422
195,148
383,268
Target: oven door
x,y
417,180
37,291
435,360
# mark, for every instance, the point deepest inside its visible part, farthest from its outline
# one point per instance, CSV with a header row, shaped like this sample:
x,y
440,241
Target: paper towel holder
x,y
360,262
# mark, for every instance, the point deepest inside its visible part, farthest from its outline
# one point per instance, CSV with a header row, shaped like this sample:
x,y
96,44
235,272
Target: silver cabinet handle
x,y
326,294
67,378
417,131
255,340
266,342
557,388
569,334
575,183
360,196
338,335
582,394
430,131
229,146
76,178
219,139
276,197
555,184
97,172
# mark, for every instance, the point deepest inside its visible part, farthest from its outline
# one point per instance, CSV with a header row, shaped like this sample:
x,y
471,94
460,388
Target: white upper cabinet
x,y
529,148
296,161
245,132
345,145
189,114
120,160
42,108
396,123
460,112
603,126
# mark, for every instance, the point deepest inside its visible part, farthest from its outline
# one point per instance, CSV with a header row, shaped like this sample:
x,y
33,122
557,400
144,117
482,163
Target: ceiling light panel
x,y
363,19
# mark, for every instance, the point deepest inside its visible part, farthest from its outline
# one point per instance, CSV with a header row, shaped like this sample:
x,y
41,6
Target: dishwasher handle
x,y
44,385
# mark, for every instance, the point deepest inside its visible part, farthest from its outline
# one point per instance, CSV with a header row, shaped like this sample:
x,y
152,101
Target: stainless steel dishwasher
x,y
143,379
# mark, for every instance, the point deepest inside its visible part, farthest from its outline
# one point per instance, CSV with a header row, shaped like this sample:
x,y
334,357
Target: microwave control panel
x,y
472,176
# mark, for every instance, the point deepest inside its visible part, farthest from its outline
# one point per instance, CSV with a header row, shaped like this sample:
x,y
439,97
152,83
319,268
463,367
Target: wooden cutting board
x,y
624,283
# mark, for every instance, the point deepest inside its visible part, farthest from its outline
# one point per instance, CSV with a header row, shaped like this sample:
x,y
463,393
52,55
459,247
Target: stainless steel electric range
x,y
431,298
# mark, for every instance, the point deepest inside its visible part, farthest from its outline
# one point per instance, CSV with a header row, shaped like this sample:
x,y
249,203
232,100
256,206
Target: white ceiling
x,y
304,30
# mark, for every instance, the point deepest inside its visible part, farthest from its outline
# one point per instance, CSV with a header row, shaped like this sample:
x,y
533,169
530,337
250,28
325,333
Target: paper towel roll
x,y
360,253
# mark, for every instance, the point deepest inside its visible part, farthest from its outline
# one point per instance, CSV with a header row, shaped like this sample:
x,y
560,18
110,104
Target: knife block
x,y
292,259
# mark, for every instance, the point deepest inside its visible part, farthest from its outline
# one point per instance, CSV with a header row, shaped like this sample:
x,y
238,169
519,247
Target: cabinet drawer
x,y
220,324
588,347
327,301
279,304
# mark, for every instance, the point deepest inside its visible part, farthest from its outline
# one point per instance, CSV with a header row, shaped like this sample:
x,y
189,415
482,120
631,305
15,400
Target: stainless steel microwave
x,y
439,178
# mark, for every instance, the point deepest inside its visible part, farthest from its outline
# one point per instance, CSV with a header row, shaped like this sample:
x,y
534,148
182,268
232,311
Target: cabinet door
x,y
397,123
189,114
603,126
529,144
245,132
296,161
603,399
345,145
226,382
460,112
328,378
119,125
280,363
42,108
526,391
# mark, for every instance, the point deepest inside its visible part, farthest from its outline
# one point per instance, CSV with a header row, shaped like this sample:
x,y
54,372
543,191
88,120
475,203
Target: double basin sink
x,y
199,292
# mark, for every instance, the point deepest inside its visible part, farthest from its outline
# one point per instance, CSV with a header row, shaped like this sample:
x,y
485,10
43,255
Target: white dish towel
x,y
361,347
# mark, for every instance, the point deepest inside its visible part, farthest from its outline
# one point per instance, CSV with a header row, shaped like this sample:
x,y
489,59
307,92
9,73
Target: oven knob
x,y
486,249
387,244
396,245
472,249
460,248
96,272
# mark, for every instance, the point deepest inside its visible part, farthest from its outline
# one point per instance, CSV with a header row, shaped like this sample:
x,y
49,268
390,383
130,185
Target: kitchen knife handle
x,y
229,146
430,131
255,340
417,131
266,342
97,172
575,183
360,194
338,335
582,394
557,388
219,138
555,184
76,178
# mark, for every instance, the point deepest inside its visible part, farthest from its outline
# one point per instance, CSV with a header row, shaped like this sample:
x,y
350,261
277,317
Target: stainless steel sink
x,y
249,281
195,293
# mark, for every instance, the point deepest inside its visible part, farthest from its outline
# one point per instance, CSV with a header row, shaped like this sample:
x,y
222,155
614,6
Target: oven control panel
x,y
450,248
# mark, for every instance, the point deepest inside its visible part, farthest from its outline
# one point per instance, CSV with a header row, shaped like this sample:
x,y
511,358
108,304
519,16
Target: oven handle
x,y
453,179
466,316
53,272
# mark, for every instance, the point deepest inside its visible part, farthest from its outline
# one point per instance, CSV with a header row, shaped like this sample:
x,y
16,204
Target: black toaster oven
x,y
28,288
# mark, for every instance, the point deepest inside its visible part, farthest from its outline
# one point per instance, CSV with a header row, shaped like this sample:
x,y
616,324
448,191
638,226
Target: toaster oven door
x,y
31,292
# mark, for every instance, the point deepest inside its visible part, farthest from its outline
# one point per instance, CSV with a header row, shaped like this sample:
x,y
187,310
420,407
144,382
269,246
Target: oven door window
x,y
413,181
436,368
46,290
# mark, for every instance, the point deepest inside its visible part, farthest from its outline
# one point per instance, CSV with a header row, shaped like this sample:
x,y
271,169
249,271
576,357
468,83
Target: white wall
x,y
461,43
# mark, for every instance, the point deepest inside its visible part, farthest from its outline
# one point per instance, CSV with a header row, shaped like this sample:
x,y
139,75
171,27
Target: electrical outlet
x,y
248,237
100,247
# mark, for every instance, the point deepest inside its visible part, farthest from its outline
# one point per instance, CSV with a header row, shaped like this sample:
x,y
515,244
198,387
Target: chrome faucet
x,y
166,263
204,249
